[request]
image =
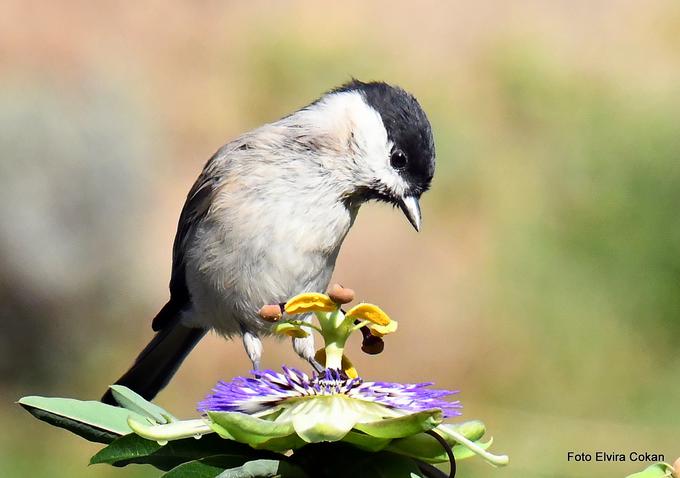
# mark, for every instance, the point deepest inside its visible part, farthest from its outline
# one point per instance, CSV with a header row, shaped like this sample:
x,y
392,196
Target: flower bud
x,y
340,294
270,313
372,345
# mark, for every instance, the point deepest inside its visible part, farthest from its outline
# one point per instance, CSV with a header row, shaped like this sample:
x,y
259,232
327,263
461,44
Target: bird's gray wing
x,y
194,211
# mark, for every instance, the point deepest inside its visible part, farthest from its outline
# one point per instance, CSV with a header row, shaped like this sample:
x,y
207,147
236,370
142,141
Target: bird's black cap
x,y
407,127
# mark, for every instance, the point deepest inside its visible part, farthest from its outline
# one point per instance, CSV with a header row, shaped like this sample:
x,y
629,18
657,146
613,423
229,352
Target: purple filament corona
x,y
268,388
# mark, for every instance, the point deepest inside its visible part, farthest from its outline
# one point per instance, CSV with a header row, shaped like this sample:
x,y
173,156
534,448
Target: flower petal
x,y
270,391
369,312
402,426
324,418
310,302
248,429
381,330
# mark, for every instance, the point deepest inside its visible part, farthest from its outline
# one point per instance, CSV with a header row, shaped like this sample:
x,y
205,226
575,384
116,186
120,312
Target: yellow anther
x,y
290,330
310,302
381,330
349,369
369,312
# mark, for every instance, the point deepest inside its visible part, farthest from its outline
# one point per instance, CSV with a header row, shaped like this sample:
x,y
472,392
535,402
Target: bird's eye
x,y
398,159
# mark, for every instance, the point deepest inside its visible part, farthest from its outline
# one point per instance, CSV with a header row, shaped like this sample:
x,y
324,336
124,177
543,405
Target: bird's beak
x,y
411,208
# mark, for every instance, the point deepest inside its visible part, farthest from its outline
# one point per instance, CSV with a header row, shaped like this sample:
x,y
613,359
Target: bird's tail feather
x,y
158,362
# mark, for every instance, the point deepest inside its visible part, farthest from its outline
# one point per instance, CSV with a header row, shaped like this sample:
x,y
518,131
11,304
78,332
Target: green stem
x,y
361,324
170,431
302,323
498,460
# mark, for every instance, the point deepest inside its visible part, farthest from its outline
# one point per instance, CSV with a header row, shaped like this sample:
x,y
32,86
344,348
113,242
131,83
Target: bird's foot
x,y
316,365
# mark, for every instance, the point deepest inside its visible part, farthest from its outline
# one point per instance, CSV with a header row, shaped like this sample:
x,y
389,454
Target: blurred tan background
x,y
545,284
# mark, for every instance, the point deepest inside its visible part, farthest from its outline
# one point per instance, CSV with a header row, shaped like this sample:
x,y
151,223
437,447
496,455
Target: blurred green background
x,y
545,284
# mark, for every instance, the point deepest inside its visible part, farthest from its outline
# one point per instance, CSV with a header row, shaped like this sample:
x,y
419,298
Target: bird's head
x,y
385,141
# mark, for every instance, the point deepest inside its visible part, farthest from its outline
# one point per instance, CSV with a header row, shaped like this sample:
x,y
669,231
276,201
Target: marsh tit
x,y
267,216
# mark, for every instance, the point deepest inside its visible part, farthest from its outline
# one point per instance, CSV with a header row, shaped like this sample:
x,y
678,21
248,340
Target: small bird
x,y
266,218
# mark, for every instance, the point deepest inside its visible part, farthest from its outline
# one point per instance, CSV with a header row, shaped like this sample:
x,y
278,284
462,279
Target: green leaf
x,y
264,469
135,449
379,465
657,470
386,465
366,442
135,402
249,429
209,467
402,426
94,421
340,460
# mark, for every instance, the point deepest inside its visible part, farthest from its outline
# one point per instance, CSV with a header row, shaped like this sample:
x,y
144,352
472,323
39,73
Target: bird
x,y
267,216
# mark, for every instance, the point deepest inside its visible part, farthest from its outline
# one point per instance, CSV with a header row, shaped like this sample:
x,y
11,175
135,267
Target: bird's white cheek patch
x,y
375,146
346,115
370,133
354,122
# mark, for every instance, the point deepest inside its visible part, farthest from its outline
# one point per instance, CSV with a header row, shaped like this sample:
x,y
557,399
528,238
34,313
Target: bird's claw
x,y
316,365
